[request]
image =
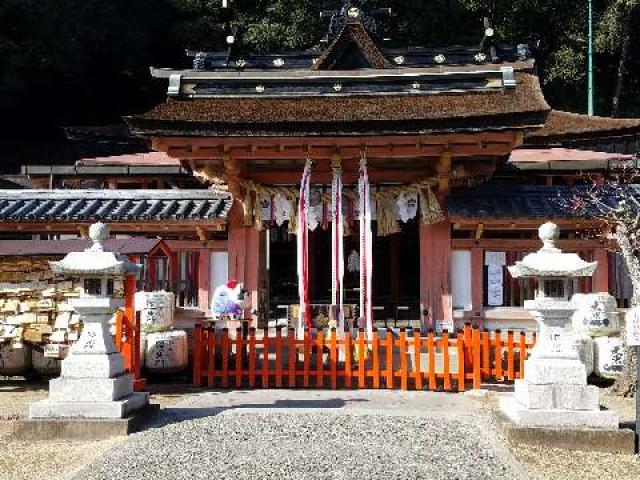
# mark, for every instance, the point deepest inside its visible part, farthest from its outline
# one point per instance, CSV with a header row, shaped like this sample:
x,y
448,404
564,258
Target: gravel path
x,y
196,442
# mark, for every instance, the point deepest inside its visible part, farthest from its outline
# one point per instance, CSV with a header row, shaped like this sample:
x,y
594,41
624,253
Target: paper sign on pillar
x,y
633,327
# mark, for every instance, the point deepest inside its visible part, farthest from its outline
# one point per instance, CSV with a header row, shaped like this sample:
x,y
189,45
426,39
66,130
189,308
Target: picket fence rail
x,y
406,360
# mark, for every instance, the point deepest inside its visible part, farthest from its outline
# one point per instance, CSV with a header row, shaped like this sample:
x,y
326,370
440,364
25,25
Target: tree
x,y
617,206
614,35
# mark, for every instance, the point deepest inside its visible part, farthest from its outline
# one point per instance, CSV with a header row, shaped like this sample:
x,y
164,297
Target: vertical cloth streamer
x,y
304,317
337,246
366,256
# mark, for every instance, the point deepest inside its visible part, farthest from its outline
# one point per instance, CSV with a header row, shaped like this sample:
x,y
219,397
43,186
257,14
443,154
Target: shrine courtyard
x,y
304,434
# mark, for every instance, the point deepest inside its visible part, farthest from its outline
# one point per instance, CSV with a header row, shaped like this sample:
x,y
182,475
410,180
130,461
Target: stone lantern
x,y
554,391
93,383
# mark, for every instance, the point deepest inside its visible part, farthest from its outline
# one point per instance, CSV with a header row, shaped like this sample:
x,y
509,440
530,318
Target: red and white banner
x,y
337,247
366,254
304,317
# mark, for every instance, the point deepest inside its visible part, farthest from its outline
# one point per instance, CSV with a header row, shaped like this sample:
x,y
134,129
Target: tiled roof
x,y
59,248
112,205
511,201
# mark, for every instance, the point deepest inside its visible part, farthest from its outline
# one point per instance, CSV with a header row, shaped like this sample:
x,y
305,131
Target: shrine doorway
x,y
396,276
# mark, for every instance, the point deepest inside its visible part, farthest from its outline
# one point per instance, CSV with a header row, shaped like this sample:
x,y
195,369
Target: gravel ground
x,y
49,460
314,444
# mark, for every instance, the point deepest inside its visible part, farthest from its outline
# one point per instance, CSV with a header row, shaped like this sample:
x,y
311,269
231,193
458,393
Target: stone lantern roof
x,y
550,261
95,261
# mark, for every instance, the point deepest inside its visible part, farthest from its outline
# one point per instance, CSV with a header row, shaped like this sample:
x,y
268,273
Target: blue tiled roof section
x,y
112,205
514,201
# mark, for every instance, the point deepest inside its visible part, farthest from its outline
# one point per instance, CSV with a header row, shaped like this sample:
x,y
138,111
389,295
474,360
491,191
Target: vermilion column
x,y
246,253
435,273
601,277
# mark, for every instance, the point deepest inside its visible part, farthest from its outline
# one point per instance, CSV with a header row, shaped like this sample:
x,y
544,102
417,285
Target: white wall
x,y
219,270
461,279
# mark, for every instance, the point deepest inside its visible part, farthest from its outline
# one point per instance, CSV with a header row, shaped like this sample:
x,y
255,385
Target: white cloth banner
x,y
495,259
302,239
337,247
407,206
315,210
366,249
266,204
282,209
495,276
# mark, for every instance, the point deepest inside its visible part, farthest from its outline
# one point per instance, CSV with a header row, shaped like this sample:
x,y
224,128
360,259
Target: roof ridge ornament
x,y
353,11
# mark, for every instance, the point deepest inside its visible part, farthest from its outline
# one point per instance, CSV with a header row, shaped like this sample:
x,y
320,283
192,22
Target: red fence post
x,y
417,352
486,355
361,359
510,357
375,346
348,364
497,350
239,354
278,357
445,361
477,367
197,355
333,356
252,357
265,358
523,354
431,345
390,373
461,362
211,357
403,360
307,358
225,358
293,352
320,359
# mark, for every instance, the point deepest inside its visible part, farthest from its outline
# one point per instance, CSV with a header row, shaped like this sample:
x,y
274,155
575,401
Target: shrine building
x,y
423,173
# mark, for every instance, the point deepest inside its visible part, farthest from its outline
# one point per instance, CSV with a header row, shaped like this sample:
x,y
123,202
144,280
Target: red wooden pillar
x,y
601,277
435,273
128,323
477,274
246,247
204,279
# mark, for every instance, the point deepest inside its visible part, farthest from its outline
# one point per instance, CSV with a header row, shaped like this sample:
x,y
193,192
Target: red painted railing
x,y
406,361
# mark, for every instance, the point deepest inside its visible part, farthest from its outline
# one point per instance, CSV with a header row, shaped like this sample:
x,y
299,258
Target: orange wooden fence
x,y
127,340
406,360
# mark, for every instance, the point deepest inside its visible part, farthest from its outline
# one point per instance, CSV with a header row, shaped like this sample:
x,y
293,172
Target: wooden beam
x,y
521,244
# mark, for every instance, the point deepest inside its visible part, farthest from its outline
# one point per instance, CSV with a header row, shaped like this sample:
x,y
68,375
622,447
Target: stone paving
x,y
287,434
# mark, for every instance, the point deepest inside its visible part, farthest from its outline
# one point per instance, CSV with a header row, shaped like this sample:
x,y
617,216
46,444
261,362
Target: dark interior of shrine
x,y
396,273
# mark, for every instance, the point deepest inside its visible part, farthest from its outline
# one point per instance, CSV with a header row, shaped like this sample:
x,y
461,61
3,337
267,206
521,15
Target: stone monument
x,y
93,383
554,391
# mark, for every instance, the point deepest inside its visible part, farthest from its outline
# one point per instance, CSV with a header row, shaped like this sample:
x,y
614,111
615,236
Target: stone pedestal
x,y
93,383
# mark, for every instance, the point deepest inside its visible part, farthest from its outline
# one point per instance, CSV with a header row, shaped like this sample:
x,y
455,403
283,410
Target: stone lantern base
x,y
555,394
93,383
